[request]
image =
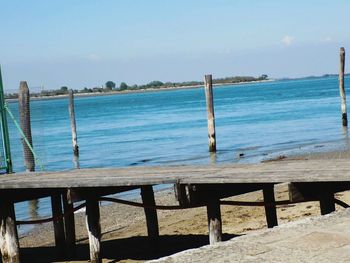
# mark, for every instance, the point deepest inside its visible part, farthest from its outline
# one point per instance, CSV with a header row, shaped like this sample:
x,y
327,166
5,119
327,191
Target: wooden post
x,y
9,244
327,204
58,225
94,229
69,223
73,123
208,86
147,195
24,112
341,87
270,207
214,221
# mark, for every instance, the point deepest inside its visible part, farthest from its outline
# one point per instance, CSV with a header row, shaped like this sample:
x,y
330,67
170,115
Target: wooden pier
x,y
197,185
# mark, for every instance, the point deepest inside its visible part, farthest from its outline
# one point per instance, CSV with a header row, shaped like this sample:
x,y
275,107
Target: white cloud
x,y
327,39
287,40
94,57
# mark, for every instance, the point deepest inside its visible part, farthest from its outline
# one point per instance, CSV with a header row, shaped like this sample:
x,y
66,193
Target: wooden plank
x,y
58,224
94,229
214,221
208,87
270,207
279,172
147,195
9,244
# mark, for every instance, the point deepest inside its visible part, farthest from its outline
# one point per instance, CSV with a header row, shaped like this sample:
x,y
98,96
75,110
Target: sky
x,y
84,43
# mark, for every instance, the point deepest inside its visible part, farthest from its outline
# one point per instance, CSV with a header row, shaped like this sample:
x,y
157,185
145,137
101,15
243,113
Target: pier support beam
x,y
94,229
214,221
9,245
270,207
327,204
69,223
58,224
147,195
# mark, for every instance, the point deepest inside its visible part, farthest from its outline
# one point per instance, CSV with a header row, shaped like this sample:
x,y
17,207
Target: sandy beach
x,y
125,236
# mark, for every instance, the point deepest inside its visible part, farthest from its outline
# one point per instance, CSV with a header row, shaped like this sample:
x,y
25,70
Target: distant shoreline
x,y
117,92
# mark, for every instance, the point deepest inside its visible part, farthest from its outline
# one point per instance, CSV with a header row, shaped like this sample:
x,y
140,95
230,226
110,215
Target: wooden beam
x,y
327,204
9,245
69,223
214,221
198,194
147,195
270,207
94,229
58,224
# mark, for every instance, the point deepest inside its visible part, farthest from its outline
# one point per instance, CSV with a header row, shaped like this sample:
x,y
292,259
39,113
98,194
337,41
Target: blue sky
x,y
85,43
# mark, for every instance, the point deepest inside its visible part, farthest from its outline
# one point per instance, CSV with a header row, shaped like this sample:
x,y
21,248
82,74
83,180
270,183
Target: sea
x,y
254,122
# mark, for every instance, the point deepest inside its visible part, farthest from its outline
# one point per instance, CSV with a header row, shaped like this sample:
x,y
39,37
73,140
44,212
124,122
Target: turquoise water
x,y
260,120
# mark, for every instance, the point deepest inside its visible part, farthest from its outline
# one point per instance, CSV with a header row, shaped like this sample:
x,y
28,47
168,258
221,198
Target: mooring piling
x,y
73,123
208,86
29,161
25,120
24,112
342,88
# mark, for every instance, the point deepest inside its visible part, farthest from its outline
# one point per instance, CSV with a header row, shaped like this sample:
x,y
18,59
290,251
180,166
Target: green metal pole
x,y
5,131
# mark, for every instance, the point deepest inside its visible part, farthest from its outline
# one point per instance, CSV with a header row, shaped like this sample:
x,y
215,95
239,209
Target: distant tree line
x,y
156,84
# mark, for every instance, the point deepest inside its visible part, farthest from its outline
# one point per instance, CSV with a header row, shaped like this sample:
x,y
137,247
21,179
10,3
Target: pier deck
x,y
206,184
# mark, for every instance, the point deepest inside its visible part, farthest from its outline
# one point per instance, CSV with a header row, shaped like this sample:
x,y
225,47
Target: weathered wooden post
x,y
69,223
9,245
341,87
208,86
24,112
73,123
270,206
214,221
56,203
147,195
58,225
67,199
94,229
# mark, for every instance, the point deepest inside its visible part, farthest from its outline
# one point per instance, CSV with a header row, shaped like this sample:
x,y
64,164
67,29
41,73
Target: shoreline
x,y
117,92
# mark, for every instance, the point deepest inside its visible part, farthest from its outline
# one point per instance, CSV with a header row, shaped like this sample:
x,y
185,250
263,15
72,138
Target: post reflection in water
x,y
33,208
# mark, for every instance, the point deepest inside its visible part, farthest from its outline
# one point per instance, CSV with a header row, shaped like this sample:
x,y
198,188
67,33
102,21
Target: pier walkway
x,y
196,185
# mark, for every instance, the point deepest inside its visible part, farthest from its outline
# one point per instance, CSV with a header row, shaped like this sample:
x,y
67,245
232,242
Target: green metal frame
x,y
4,130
